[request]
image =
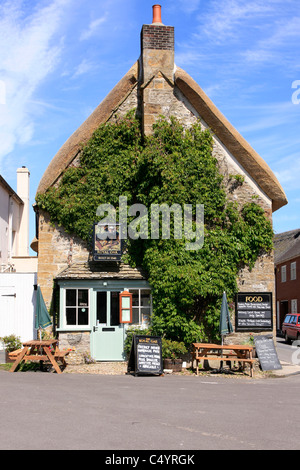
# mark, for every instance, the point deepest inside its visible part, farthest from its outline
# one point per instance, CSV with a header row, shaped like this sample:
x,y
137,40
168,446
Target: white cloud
x,y
27,56
84,67
224,19
284,35
189,6
93,28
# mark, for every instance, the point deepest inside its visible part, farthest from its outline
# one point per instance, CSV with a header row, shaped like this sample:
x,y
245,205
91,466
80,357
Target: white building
x,y
14,225
18,270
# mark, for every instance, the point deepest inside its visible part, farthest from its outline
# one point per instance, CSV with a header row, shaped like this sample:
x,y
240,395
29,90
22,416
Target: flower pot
x,y
174,364
168,363
177,365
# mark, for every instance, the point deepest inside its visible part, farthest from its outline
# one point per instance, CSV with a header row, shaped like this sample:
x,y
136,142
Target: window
x,y
283,273
294,306
141,306
293,271
77,307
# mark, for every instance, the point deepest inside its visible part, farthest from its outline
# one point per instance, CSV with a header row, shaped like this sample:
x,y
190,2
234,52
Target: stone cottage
x,y
89,293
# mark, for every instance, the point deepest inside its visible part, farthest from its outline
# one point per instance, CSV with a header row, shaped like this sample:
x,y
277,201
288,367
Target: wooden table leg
x,y
52,360
19,359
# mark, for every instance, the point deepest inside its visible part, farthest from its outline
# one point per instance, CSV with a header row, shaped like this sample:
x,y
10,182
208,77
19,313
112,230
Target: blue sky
x,y
60,58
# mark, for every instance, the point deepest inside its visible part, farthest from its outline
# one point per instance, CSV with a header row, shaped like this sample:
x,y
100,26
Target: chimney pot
x,y
156,14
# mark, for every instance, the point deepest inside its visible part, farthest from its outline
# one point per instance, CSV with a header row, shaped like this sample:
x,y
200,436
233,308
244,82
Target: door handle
x,y
95,328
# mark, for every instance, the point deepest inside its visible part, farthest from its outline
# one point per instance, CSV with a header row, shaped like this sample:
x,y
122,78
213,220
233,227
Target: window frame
x,y
76,326
294,306
283,273
293,271
141,307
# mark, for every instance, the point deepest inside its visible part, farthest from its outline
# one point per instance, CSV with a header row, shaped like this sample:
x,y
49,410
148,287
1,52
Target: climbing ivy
x,y
173,166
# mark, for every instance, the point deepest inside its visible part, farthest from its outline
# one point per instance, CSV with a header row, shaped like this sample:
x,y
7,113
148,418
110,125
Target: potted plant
x,y
11,343
172,352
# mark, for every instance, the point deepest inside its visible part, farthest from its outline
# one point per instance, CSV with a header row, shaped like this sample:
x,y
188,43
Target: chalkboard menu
x,y
266,353
146,355
254,311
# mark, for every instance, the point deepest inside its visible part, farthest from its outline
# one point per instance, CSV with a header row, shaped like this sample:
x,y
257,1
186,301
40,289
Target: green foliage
x,y
173,166
129,337
11,342
173,349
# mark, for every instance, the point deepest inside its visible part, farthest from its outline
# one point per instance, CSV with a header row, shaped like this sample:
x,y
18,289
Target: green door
x,y
107,342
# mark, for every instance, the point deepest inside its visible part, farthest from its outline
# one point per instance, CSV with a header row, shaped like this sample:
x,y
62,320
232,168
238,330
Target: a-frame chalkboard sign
x,y
145,356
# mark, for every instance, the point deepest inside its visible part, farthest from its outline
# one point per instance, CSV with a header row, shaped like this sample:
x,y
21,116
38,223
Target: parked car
x,y
291,327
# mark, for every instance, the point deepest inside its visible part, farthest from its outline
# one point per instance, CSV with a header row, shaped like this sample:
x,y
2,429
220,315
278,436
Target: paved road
x,y
72,411
287,352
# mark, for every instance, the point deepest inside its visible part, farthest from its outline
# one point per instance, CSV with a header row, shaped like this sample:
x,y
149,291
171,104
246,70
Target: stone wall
x,y
79,345
57,250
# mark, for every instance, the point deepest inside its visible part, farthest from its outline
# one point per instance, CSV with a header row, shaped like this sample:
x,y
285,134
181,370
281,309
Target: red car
x,y
291,327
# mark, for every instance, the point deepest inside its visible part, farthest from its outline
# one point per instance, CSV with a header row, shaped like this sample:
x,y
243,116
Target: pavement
x,y
287,369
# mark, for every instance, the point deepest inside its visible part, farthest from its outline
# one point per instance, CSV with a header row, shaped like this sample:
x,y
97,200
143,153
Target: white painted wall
x,y
17,305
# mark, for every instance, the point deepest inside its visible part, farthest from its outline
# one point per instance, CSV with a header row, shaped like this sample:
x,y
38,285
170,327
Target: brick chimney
x,y
157,54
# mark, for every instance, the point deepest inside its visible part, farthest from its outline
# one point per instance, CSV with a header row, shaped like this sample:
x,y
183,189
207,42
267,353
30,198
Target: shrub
x,y
173,349
11,342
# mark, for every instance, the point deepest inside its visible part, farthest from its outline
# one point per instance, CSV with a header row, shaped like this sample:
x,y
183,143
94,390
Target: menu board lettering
x,y
254,311
146,355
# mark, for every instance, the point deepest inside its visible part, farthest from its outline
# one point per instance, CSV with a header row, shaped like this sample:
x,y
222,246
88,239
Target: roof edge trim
x,y
232,139
82,135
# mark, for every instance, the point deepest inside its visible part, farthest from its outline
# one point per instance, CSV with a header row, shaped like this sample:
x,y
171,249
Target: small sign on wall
x,y
125,307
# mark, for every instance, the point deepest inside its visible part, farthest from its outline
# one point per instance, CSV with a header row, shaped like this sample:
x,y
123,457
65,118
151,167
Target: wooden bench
x,y
40,351
14,354
214,352
60,356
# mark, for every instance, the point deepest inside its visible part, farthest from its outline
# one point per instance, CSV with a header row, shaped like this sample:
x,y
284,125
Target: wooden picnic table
x,y
227,352
43,351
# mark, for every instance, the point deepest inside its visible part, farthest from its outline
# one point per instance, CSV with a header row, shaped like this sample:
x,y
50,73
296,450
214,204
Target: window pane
x,y
83,316
126,302
283,273
101,306
126,315
293,271
135,316
71,316
145,312
145,298
114,309
83,297
71,297
135,297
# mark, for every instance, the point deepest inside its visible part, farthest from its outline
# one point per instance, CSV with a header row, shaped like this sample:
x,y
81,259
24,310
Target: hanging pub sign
x,y
125,307
107,244
254,311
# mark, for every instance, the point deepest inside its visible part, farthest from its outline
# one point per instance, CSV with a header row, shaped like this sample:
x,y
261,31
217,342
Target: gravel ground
x,y
103,368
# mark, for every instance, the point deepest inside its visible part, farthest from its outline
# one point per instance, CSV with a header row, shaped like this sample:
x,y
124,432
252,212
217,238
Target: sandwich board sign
x,y
266,353
146,356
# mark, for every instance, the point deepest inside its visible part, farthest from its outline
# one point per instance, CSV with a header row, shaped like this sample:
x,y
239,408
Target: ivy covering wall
x,y
173,166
